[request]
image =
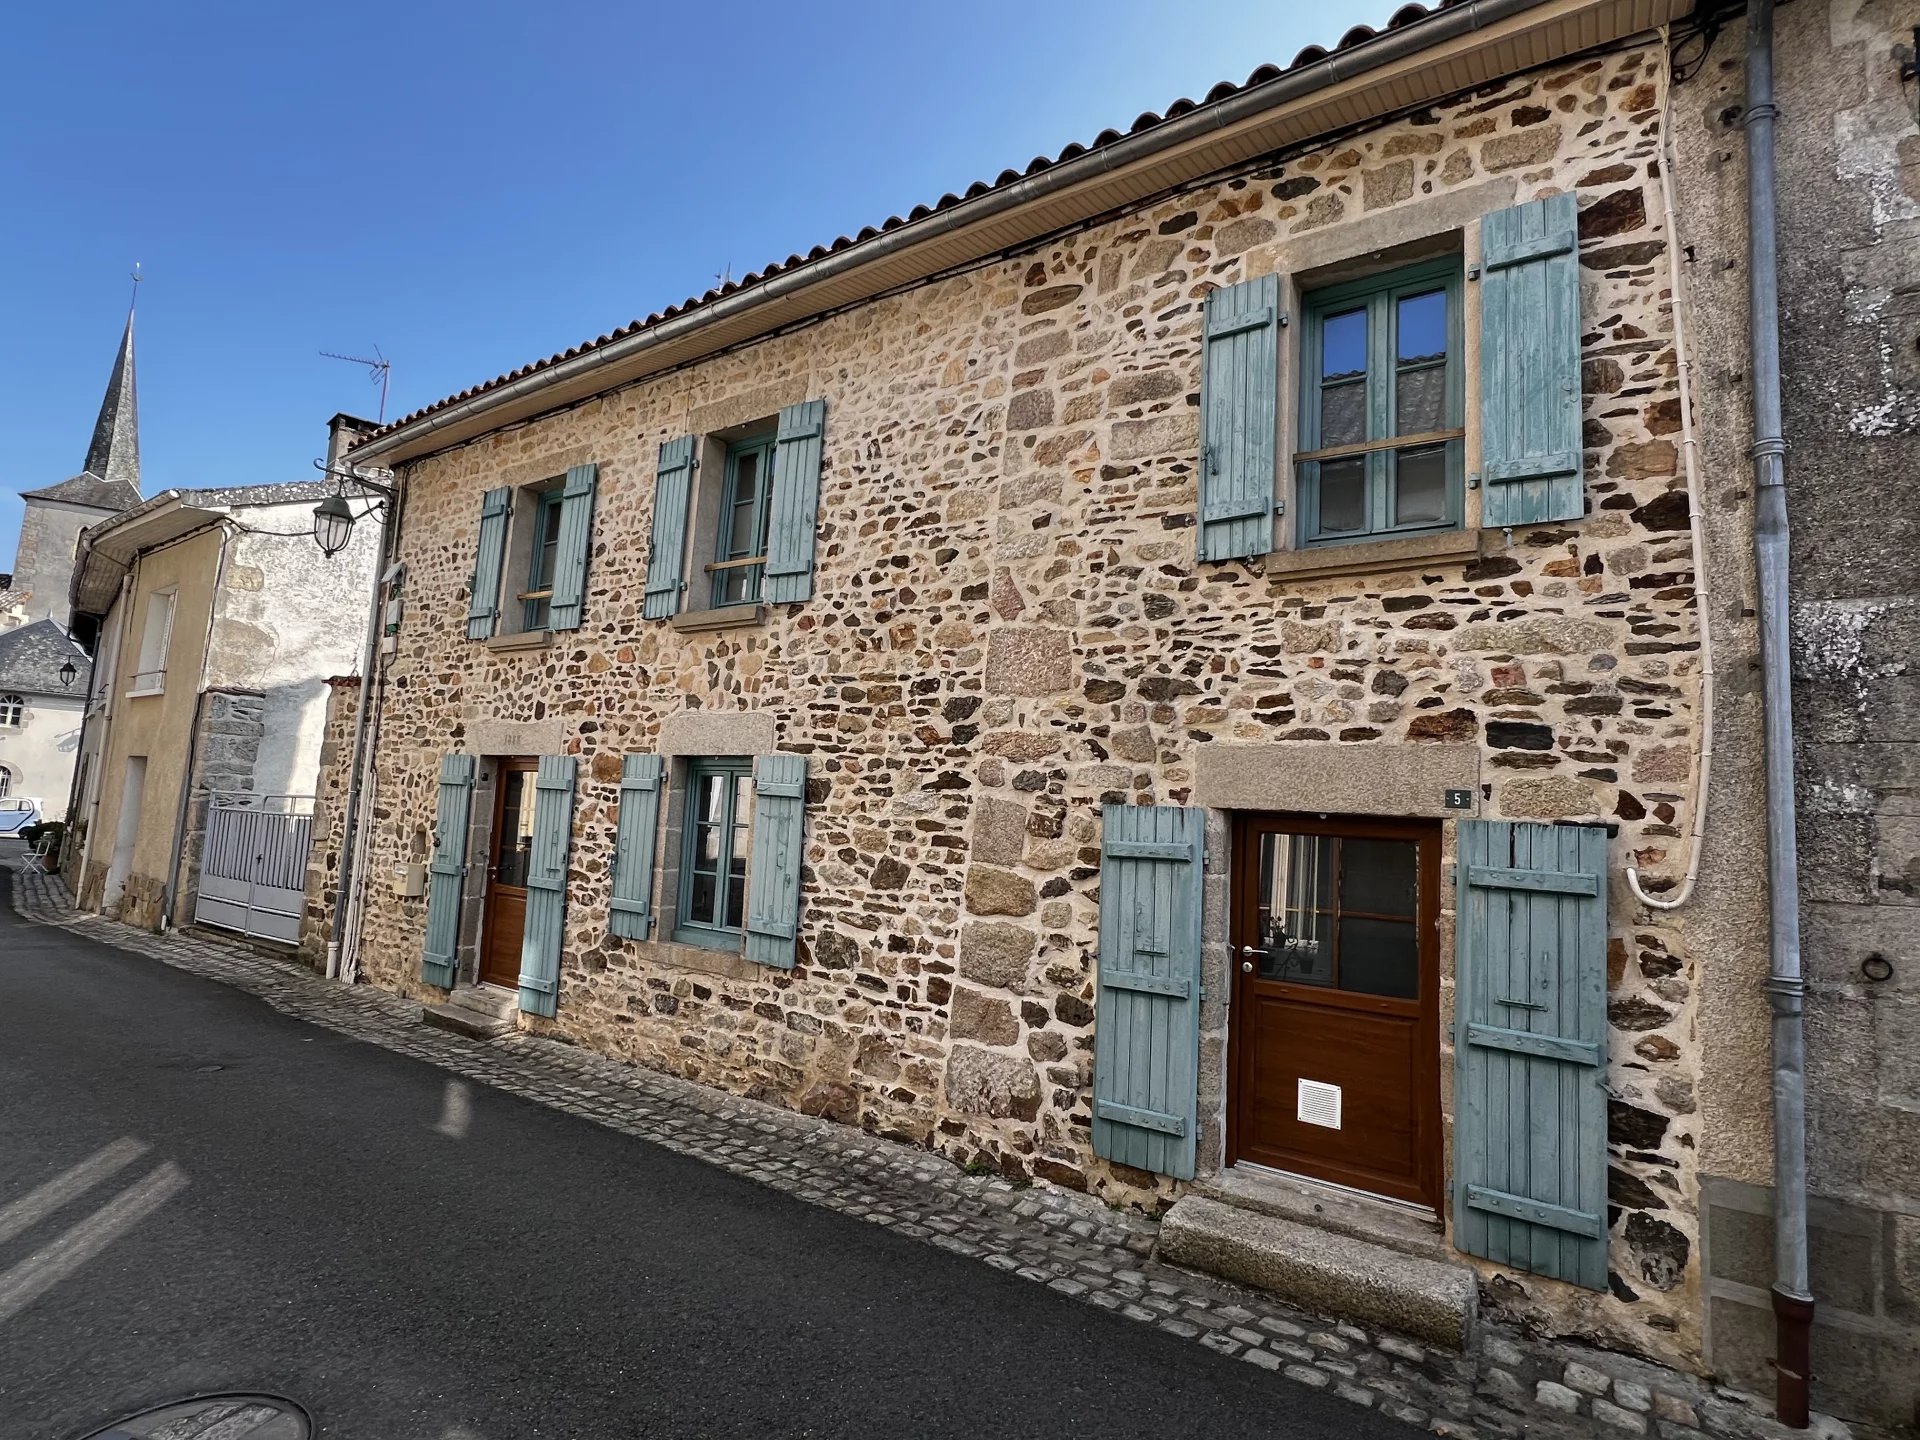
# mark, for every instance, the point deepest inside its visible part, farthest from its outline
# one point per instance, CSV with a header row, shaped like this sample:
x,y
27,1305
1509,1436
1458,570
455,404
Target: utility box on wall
x,y
410,881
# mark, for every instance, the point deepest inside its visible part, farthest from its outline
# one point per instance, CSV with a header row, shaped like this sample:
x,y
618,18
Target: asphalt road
x,y
302,1220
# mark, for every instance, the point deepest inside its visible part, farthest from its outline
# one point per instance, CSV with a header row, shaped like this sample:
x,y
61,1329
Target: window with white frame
x,y
150,673
13,713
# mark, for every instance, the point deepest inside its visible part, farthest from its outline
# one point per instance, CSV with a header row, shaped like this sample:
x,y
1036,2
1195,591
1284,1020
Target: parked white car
x,y
17,812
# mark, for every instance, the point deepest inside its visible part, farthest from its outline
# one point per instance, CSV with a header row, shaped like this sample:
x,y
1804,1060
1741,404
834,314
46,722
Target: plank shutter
x,y
547,884
570,554
489,554
672,496
773,870
447,872
1146,1040
1530,364
630,910
1239,419
795,513
1530,1048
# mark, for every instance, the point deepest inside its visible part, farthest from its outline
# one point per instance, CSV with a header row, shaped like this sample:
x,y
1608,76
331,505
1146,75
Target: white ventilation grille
x,y
1320,1104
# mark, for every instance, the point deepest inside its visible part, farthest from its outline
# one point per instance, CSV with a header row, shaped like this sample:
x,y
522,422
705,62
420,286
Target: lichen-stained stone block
x,y
986,1082
993,891
1029,660
997,954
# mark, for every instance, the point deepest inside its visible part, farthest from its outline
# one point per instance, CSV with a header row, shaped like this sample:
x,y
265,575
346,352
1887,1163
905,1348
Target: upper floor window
x,y
741,553
713,861
156,638
1382,426
13,710
543,519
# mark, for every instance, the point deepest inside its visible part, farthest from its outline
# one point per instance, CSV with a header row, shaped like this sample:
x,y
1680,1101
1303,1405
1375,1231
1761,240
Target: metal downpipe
x,y
1786,989
369,656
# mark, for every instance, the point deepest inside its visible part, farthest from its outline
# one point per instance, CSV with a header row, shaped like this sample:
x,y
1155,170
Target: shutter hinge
x,y
1279,507
1285,319
1208,460
1473,482
1473,272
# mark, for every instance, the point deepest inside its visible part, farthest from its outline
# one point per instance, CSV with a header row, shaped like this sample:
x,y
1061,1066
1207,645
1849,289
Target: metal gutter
x,y
1786,987
1197,124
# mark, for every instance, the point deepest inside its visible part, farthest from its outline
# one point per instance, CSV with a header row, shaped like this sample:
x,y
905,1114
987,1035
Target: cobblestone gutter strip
x,y
1512,1386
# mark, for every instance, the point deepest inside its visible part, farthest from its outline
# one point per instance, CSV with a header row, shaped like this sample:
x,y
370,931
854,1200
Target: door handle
x,y
1254,950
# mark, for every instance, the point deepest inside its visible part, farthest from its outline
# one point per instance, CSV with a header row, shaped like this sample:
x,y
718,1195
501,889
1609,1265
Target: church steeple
x,y
114,454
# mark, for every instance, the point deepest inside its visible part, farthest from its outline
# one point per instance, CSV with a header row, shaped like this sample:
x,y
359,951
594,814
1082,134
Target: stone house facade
x,y
1009,627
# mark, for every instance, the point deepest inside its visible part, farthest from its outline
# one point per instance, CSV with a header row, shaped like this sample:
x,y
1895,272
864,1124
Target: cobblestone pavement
x,y
1512,1385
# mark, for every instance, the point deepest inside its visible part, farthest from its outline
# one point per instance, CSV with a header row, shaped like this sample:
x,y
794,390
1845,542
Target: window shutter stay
x,y
774,866
1239,419
447,872
1530,1048
795,513
630,913
547,885
672,499
489,555
1530,405
1146,1039
565,608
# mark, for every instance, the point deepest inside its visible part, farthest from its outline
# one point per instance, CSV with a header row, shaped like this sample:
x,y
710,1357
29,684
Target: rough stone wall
x,y
1849,236
1009,627
329,817
232,727
43,557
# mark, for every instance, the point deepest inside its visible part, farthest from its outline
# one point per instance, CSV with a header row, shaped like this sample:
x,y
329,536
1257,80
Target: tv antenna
x,y
379,370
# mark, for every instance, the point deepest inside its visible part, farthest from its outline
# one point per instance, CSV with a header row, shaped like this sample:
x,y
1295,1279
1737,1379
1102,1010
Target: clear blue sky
x,y
472,186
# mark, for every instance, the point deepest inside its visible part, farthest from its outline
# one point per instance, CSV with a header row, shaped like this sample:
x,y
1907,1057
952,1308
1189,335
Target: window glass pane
x,y
701,898
1423,326
1296,889
1420,400
1378,876
1420,485
513,846
746,476
1343,495
1343,345
1343,414
741,536
1379,957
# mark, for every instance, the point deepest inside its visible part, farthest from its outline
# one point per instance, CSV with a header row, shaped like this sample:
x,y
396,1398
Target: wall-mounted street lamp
x,y
68,672
333,517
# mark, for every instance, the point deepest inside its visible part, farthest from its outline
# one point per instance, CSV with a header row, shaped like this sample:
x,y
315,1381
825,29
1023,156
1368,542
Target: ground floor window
x,y
713,859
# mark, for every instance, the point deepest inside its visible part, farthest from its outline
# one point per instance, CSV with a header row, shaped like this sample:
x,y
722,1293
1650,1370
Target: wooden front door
x,y
1334,1035
507,862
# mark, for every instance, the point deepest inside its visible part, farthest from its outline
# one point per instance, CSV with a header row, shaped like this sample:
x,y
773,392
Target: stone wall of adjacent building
x,y
1010,628
1849,236
225,751
317,927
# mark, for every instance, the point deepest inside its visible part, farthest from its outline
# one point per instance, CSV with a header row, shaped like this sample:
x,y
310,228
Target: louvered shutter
x,y
1530,1048
1239,419
630,909
547,885
489,554
570,553
773,866
672,494
1530,364
447,872
1146,1040
794,511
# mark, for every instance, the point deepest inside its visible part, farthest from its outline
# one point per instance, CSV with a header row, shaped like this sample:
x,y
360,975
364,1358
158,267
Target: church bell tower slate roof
x,y
111,479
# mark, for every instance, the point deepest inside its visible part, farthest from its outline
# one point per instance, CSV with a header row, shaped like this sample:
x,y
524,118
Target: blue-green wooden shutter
x,y
630,908
1239,419
1530,364
773,867
489,554
1530,1048
672,496
794,514
547,884
570,554
1146,1039
447,873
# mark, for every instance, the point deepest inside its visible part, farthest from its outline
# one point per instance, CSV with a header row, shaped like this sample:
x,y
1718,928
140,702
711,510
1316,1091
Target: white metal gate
x,y
253,867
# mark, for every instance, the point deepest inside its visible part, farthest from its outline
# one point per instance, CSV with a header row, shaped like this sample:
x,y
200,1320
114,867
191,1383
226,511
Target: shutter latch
x,y
1523,1004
